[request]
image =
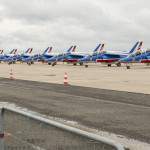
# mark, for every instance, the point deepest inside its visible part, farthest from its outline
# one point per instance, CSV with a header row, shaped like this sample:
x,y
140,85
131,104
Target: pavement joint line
x,y
42,118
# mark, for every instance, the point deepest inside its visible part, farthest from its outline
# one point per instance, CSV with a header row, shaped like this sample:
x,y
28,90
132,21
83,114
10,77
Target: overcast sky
x,y
85,23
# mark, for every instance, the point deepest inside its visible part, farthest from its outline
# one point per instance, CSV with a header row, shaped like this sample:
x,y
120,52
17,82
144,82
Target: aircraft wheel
x,y
74,64
128,67
29,63
109,65
32,62
118,64
86,66
81,63
49,63
54,63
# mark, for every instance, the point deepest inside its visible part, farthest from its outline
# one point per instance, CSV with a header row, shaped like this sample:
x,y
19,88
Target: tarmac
x,y
122,113
135,79
112,99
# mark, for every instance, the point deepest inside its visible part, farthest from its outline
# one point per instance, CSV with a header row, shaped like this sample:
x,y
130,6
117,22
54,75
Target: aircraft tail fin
x,y
1,51
96,49
69,50
102,47
140,46
74,48
134,48
14,51
29,51
48,50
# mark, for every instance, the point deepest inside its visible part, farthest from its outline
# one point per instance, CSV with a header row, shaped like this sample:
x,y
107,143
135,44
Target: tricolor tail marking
x,y
69,49
134,48
1,51
96,49
13,51
140,46
29,50
102,47
74,48
50,49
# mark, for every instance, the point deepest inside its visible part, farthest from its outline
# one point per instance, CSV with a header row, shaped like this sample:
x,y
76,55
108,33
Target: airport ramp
x,y
27,130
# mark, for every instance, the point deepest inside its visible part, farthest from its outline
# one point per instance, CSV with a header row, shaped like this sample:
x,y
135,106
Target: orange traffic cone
x,y
11,75
65,79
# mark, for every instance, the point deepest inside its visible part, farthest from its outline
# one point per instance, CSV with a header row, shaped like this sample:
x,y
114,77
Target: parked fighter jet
x,y
93,57
46,55
11,57
110,58
80,58
60,57
134,57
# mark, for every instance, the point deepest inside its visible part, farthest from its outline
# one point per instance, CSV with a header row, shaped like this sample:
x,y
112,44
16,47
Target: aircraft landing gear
x,y
74,64
109,65
81,63
86,66
49,63
128,67
29,63
55,63
118,64
9,63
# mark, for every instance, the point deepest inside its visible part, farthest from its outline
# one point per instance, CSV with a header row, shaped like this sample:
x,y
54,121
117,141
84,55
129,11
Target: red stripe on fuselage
x,y
106,60
145,61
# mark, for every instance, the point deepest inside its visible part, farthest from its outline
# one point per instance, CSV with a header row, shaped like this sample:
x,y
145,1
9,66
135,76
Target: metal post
x,y
1,129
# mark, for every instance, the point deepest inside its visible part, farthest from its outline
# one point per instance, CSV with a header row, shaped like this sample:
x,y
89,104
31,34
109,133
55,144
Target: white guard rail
x,y
41,118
